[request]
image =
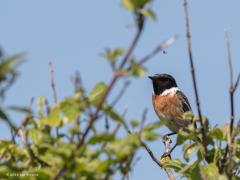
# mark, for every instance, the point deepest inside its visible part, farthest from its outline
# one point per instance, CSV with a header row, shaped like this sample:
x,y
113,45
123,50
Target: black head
x,y
161,82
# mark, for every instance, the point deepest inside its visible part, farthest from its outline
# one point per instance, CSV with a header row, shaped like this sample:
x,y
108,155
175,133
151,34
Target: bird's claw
x,y
166,139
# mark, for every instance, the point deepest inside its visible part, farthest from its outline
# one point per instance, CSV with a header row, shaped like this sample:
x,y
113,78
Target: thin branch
x,y
237,82
144,117
168,171
52,79
115,130
53,85
188,35
150,153
164,45
121,92
78,87
106,123
167,143
77,81
140,22
231,87
229,58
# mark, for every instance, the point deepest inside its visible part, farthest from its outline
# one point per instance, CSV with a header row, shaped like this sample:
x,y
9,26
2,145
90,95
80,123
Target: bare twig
x,y
77,81
237,82
232,88
140,23
144,117
229,58
121,92
150,153
167,143
52,78
168,171
188,35
78,87
164,45
106,123
53,85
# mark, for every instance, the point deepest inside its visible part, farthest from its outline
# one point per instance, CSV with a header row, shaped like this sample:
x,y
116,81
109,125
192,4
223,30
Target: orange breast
x,y
167,106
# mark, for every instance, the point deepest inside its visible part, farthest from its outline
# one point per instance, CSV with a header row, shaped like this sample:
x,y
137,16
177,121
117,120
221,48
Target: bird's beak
x,y
150,77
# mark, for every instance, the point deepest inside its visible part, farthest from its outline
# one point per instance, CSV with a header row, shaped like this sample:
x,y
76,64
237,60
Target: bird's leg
x,y
175,145
170,134
167,136
167,141
166,155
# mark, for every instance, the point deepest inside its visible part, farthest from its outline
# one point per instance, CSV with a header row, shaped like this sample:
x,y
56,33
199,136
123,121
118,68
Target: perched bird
x,y
169,102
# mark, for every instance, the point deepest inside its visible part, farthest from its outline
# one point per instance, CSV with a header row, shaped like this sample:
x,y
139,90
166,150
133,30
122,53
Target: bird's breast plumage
x,y
169,108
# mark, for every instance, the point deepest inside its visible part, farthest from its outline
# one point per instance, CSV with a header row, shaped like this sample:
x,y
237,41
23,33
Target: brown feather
x,y
169,108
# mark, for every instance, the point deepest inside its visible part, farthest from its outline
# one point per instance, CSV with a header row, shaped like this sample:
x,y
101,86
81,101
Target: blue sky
x,y
72,34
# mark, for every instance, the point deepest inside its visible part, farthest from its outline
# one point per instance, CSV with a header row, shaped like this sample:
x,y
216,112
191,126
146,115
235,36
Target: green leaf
x,y
217,133
9,65
176,164
134,123
38,136
97,93
100,138
112,55
54,118
183,136
133,5
70,108
153,126
113,115
57,156
149,135
211,171
40,103
189,149
123,147
181,139
148,13
128,5
136,70
3,116
195,173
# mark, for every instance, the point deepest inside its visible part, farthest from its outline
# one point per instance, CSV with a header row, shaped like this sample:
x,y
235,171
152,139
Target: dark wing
x,y
185,103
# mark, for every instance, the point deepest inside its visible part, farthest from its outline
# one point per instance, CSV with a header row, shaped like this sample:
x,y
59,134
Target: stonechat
x,y
169,102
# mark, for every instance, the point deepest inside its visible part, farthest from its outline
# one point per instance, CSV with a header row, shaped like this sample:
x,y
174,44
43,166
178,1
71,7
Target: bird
x,y
170,103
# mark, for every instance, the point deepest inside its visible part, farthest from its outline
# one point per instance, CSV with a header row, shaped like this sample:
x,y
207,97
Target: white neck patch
x,y
170,91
